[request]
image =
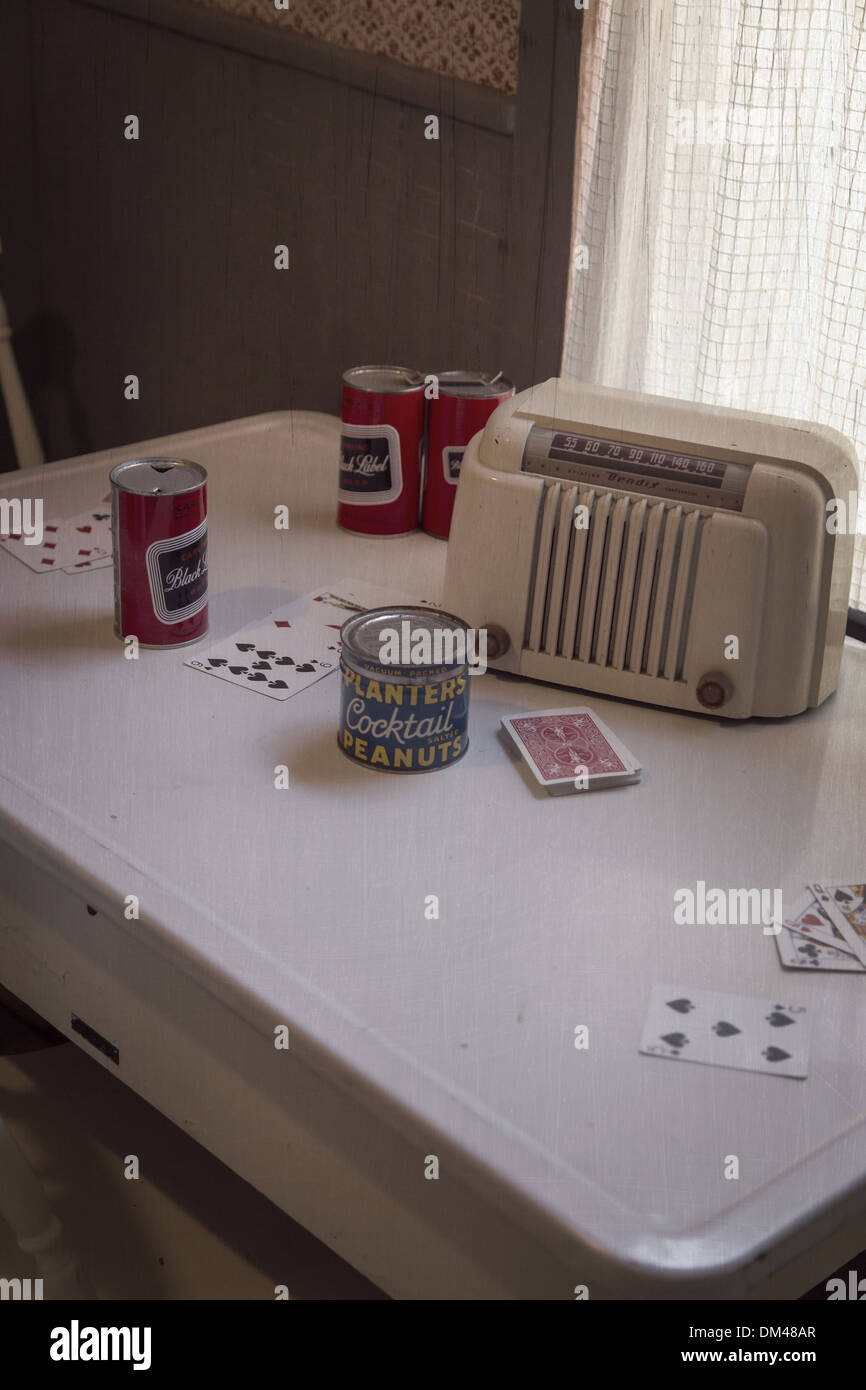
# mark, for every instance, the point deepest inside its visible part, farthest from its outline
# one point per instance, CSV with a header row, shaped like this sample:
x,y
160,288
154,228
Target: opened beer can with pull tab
x,y
159,532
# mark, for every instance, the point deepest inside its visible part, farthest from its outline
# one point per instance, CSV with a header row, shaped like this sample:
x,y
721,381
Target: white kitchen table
x,y
411,1038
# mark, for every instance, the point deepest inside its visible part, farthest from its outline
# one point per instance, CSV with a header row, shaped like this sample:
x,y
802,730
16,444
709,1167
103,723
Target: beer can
x,y
159,530
381,451
465,403
404,689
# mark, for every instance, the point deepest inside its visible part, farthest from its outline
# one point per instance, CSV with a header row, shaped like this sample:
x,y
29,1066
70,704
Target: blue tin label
x,y
401,727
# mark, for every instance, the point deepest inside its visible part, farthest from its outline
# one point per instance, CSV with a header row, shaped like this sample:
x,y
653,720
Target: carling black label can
x,y
381,451
464,404
159,530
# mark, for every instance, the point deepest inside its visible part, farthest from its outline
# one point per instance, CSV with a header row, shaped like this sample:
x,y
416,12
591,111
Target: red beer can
x,y
159,529
381,451
465,403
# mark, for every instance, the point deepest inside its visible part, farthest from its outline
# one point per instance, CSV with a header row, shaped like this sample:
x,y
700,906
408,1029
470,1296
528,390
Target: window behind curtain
x,y
720,208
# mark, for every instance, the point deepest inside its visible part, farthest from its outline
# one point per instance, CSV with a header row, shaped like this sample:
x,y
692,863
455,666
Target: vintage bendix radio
x,y
655,550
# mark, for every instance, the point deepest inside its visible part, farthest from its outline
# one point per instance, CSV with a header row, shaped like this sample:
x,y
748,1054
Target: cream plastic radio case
x,y
655,550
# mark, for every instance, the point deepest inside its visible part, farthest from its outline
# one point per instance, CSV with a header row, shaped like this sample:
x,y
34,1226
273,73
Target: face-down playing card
x,y
568,748
727,1030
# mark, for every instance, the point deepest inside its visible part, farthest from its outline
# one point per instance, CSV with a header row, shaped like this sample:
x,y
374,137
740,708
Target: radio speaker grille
x,y
613,579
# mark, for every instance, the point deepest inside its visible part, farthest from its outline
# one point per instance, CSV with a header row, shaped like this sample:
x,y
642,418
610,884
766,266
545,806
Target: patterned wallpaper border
x,y
475,40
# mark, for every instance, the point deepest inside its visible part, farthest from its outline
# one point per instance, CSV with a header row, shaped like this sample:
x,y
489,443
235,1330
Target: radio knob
x,y
714,690
498,640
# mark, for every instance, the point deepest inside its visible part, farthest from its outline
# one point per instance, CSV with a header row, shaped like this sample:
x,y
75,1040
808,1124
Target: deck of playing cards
x,y
571,750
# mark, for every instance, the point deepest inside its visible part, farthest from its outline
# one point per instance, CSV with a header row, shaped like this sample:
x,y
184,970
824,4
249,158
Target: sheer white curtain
x,y
720,208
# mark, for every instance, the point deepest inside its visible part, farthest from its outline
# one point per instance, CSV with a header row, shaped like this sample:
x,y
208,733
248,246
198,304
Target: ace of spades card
x,y
727,1030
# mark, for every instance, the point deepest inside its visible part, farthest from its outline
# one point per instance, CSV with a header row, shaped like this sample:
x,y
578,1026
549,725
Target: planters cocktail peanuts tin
x,y
404,678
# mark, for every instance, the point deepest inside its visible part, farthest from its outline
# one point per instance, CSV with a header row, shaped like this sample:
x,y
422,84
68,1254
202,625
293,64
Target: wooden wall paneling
x,y
539,240
156,256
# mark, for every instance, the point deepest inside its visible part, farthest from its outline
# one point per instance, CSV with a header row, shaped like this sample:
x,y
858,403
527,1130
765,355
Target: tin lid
x,y
158,476
389,381
410,644
474,384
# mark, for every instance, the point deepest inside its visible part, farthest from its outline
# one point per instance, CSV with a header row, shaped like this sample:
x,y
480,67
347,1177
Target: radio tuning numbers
x,y
648,470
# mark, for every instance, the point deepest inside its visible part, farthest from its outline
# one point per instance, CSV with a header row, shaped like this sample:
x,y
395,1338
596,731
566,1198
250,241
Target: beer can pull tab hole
x,y
159,468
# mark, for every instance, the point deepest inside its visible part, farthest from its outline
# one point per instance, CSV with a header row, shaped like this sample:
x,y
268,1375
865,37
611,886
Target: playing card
x,y
68,543
85,537
845,905
40,558
567,748
278,657
333,605
297,645
798,952
726,1030
103,563
808,919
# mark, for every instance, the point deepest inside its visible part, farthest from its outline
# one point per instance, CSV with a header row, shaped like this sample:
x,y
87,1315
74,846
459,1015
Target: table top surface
x,y
307,906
